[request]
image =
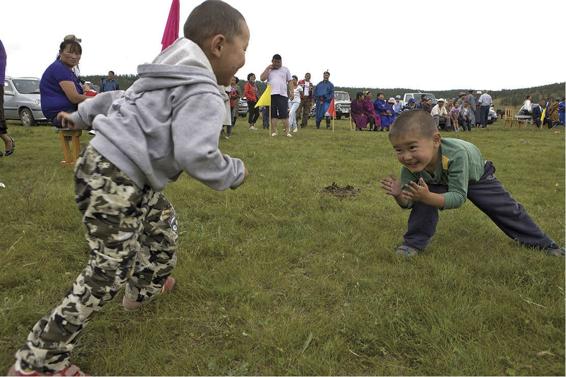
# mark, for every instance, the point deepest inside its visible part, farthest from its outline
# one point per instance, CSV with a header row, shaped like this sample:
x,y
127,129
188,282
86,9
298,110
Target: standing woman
x,y
9,144
250,92
60,88
295,102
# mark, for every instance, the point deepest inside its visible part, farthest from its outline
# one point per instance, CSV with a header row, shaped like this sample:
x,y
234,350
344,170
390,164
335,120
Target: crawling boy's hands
x,y
416,192
391,186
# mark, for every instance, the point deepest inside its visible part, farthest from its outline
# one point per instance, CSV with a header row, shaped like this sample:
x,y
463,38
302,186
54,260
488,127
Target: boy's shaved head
x,y
211,18
414,120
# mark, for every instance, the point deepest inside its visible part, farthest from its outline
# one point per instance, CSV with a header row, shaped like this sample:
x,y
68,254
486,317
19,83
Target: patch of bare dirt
x,y
347,191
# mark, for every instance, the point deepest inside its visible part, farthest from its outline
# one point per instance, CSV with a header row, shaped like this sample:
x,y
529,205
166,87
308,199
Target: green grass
x,y
277,278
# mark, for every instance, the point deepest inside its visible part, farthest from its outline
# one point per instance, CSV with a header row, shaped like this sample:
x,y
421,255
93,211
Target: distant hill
x,y
506,97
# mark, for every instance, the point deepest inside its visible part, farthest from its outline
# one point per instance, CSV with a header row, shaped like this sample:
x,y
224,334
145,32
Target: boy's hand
x,y
391,185
65,120
416,192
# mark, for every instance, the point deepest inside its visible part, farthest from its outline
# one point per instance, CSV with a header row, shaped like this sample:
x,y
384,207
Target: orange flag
x,y
332,109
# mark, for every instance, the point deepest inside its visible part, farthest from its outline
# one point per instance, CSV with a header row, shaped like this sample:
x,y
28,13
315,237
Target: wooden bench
x,y
70,143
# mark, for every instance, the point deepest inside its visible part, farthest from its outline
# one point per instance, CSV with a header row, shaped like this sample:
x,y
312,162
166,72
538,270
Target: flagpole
x,y
333,117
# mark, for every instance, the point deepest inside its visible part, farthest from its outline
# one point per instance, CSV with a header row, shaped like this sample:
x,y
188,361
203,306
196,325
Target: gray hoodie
x,y
168,121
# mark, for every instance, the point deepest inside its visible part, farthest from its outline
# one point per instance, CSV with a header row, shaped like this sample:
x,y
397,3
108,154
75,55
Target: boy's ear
x,y
217,44
436,138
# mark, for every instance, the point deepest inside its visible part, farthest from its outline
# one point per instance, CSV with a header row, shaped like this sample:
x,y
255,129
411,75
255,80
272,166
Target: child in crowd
x,y
440,173
465,116
453,112
234,95
294,103
168,122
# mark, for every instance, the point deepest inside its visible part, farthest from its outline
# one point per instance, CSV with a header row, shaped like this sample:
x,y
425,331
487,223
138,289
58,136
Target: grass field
x,y
278,278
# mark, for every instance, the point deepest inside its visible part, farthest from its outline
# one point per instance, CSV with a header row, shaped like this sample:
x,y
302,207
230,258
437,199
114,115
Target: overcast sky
x,y
419,44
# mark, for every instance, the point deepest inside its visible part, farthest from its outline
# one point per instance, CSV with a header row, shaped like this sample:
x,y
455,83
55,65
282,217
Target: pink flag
x,y
171,32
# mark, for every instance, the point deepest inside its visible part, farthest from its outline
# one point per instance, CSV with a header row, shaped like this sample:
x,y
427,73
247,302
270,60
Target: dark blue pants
x,y
489,195
484,111
265,116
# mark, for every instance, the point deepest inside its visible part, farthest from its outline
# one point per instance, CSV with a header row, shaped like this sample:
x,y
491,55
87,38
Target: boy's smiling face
x,y
415,151
229,55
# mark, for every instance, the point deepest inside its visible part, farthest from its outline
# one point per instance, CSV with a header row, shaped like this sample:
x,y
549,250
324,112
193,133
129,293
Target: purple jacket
x,y
3,58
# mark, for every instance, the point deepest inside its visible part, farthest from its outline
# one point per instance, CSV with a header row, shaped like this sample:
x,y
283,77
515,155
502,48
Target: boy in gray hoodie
x,y
168,122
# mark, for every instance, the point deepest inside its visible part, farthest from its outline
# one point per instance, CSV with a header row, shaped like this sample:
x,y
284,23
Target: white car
x,y
491,116
22,101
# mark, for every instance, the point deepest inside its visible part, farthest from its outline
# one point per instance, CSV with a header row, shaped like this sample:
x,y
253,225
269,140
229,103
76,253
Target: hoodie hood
x,y
182,63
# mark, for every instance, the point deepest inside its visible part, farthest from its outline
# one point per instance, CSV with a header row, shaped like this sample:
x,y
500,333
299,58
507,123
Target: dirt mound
x,y
341,192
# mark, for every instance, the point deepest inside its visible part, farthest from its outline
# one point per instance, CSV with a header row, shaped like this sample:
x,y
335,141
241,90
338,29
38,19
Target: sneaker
x,y
131,305
227,137
253,128
71,370
289,135
555,251
92,132
274,134
407,251
295,130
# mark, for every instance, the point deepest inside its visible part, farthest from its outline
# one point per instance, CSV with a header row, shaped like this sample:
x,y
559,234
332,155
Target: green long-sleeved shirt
x,y
459,164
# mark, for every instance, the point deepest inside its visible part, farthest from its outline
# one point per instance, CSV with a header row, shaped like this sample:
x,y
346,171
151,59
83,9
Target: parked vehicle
x,y
342,104
242,107
491,116
417,97
22,101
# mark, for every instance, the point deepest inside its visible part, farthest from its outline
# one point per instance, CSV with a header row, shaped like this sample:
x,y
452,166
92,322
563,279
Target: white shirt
x,y
279,79
527,105
485,100
437,110
297,94
306,87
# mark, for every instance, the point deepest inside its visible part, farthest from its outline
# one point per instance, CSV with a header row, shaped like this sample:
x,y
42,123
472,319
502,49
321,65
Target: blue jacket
x,y
324,89
109,85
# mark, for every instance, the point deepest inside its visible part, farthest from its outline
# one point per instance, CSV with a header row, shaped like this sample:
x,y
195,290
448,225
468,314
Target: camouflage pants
x,y
132,235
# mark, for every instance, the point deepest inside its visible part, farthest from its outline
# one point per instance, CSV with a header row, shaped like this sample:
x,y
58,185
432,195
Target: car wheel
x,y
26,117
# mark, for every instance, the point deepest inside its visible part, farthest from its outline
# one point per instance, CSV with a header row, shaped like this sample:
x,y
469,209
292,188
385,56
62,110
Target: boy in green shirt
x,y
442,173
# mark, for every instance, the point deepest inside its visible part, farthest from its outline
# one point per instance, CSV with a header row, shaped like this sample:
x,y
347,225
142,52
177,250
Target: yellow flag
x,y
265,99
543,115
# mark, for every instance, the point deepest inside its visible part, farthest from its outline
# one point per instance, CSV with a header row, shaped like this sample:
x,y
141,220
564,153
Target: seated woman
x,y
373,118
527,108
357,112
59,87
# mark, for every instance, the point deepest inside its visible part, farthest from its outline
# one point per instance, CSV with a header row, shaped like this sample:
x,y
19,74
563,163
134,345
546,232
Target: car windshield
x,y
428,95
342,96
27,86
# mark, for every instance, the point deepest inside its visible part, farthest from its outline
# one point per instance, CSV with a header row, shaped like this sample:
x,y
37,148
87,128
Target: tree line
x,y
505,97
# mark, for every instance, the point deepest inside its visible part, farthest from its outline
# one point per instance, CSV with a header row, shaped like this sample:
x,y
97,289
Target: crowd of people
x,y
290,100
548,111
